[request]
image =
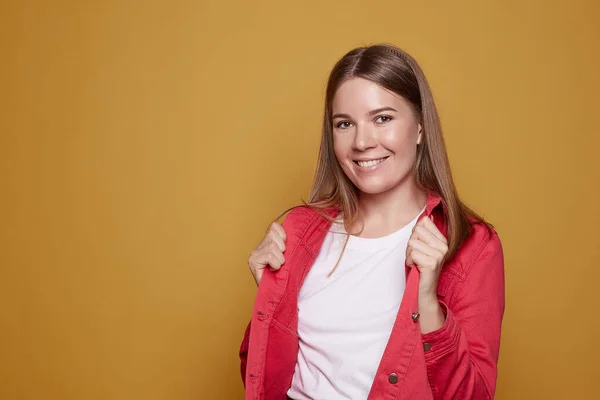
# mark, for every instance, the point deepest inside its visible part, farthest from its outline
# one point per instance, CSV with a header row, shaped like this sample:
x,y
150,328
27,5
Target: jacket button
x,y
393,378
426,346
261,316
415,316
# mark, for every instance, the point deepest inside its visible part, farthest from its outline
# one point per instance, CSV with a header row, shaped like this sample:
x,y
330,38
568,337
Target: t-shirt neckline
x,y
387,241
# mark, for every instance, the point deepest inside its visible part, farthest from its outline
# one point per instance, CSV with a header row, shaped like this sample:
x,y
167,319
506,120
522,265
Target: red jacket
x,y
458,361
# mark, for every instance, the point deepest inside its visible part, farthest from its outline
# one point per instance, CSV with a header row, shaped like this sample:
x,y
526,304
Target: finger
x,y
257,260
266,240
424,248
425,235
277,240
262,257
275,260
428,223
275,231
279,229
409,260
421,259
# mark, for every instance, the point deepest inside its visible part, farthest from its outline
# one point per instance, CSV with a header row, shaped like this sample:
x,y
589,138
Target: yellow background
x,y
145,146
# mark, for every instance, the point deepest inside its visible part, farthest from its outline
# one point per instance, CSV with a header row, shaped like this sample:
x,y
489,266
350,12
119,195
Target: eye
x,y
382,119
343,125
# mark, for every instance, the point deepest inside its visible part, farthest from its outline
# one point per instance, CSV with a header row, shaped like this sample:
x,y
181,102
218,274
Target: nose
x,y
364,138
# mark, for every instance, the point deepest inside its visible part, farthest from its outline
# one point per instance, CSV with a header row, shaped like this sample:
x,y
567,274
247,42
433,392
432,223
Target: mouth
x,y
370,163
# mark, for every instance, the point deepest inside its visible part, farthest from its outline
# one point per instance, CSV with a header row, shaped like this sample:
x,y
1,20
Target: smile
x,y
370,163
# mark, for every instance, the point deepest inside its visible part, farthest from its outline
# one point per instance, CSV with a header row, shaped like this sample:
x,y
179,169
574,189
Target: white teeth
x,y
370,163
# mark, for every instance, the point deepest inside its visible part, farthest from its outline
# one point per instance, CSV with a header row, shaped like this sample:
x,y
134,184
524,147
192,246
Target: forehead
x,y
359,94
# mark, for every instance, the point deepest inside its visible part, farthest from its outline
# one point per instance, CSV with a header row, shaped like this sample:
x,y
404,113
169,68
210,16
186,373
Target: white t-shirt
x,y
345,321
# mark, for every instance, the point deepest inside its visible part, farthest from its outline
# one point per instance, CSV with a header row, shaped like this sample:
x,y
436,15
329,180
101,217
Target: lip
x,y
372,167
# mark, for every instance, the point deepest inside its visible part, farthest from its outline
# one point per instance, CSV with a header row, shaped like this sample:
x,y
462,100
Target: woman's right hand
x,y
269,252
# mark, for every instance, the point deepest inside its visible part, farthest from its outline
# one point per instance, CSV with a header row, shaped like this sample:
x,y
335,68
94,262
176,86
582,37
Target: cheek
x,y
342,146
402,142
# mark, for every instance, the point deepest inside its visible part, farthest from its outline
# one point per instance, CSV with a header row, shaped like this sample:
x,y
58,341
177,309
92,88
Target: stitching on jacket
x,y
461,268
475,258
279,296
285,328
475,254
309,250
414,342
307,222
490,238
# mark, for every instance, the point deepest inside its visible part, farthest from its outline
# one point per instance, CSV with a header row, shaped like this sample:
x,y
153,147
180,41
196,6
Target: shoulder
x,y
481,243
298,218
304,220
482,234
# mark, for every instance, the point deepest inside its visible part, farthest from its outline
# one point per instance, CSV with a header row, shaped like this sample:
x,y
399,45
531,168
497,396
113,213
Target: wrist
x,y
431,312
428,300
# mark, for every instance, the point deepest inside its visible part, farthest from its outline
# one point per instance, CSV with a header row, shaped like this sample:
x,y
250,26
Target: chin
x,y
374,188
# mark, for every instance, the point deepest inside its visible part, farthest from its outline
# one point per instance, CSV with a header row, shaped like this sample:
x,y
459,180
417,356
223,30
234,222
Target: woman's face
x,y
375,136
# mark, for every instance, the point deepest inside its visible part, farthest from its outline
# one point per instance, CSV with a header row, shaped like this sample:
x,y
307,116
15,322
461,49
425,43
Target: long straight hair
x,y
395,70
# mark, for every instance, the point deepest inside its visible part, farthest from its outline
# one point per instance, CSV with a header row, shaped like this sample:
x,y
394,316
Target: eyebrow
x,y
372,112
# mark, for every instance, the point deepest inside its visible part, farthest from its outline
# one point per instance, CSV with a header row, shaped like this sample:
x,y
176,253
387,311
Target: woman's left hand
x,y
426,249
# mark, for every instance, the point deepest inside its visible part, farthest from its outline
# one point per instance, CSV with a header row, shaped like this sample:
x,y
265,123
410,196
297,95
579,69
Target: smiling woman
x,y
384,284
375,125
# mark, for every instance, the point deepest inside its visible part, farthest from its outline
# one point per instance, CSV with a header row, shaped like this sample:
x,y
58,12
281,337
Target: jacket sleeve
x,y
244,354
462,355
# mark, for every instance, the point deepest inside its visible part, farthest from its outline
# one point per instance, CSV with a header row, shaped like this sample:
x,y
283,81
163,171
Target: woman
x,y
385,285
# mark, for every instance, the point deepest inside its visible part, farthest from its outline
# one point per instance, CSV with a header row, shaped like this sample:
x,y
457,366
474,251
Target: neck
x,y
384,213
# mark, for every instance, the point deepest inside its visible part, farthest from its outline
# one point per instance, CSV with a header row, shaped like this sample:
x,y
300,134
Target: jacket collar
x,y
433,201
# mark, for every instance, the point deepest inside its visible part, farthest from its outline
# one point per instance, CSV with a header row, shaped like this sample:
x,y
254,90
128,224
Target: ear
x,y
420,133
